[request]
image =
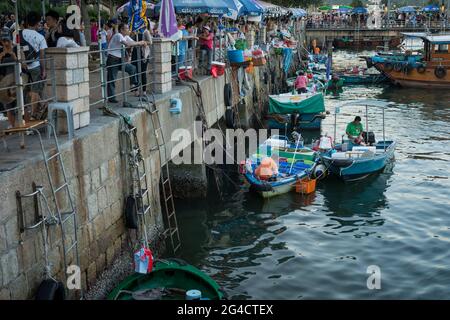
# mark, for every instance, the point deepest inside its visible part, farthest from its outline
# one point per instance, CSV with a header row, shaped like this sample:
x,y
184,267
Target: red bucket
x,y
217,69
185,72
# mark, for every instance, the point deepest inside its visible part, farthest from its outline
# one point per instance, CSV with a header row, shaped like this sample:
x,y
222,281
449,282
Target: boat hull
x,y
414,79
360,168
170,273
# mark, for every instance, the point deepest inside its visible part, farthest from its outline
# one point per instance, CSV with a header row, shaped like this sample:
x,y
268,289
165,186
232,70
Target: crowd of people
x,y
336,19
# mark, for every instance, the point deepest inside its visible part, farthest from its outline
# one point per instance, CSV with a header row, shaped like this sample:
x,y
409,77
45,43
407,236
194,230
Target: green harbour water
x,y
320,246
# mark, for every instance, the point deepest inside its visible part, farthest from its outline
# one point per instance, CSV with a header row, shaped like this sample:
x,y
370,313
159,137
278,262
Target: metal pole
x,y
367,120
102,58
20,101
335,122
43,9
384,138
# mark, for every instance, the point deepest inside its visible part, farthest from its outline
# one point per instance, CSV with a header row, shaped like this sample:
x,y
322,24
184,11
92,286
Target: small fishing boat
x,y
169,280
308,106
295,162
355,162
358,75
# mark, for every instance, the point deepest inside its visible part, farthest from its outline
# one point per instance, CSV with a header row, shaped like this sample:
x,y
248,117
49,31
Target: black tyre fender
x,y
130,213
229,118
440,72
50,290
421,69
227,95
369,63
388,67
398,67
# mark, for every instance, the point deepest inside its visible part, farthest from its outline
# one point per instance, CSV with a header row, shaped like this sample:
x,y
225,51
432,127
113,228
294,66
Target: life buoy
x,y
50,290
388,66
421,69
440,72
227,94
229,118
398,67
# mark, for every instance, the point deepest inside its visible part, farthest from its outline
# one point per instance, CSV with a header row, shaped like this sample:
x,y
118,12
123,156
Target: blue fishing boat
x,y
355,162
294,164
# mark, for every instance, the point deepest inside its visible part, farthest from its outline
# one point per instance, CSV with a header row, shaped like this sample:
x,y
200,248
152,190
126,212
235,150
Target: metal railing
x,y
135,69
23,98
392,24
184,58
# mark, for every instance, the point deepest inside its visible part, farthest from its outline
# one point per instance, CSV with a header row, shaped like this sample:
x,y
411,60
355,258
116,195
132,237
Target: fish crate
x,y
305,186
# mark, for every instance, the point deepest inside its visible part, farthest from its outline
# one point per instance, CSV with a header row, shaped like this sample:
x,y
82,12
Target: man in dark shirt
x,y
53,32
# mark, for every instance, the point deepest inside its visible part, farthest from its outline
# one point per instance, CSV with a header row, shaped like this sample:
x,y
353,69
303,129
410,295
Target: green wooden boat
x,y
169,280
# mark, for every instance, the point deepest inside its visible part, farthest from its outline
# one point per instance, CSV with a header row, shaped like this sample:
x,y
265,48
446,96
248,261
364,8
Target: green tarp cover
x,y
313,104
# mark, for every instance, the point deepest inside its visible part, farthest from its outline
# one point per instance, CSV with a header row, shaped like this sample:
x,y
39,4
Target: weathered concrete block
x,y
9,264
19,288
92,206
161,45
83,60
163,87
76,121
116,211
102,198
110,255
101,263
3,240
91,273
112,167
12,232
67,93
104,173
163,57
83,89
81,105
95,179
28,252
162,67
78,75
63,77
64,61
99,225
85,118
5,294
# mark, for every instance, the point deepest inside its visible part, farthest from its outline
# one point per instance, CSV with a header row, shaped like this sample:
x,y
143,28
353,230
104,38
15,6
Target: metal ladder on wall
x,y
168,201
140,188
64,218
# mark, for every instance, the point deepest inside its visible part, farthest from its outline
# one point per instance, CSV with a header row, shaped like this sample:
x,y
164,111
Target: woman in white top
x,y
66,38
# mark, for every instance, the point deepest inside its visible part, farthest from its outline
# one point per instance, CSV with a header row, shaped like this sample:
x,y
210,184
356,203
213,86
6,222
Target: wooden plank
x,y
27,126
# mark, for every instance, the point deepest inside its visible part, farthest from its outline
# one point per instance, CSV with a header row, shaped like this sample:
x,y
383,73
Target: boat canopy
x,y
366,103
435,39
288,104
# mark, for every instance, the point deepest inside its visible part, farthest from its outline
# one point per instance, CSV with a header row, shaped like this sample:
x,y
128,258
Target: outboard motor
x,y
369,137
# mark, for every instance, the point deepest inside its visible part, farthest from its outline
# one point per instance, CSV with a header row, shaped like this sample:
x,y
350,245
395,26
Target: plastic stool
x,y
68,109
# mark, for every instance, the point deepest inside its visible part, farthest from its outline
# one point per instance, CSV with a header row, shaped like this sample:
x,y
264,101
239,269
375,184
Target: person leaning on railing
x,y
8,55
144,57
35,65
114,60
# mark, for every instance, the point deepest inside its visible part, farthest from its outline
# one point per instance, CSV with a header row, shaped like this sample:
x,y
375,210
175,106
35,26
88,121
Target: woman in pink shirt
x,y
206,47
301,83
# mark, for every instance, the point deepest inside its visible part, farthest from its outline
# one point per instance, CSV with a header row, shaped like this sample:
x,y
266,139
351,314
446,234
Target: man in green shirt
x,y
354,131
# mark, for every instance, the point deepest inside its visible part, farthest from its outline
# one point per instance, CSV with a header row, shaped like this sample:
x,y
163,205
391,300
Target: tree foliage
x,y
297,3
356,3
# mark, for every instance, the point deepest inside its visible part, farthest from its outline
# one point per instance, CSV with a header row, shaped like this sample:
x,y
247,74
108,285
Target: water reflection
x,y
354,206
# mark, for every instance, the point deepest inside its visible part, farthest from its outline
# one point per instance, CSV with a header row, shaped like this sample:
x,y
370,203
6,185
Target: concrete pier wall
x,y
96,173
